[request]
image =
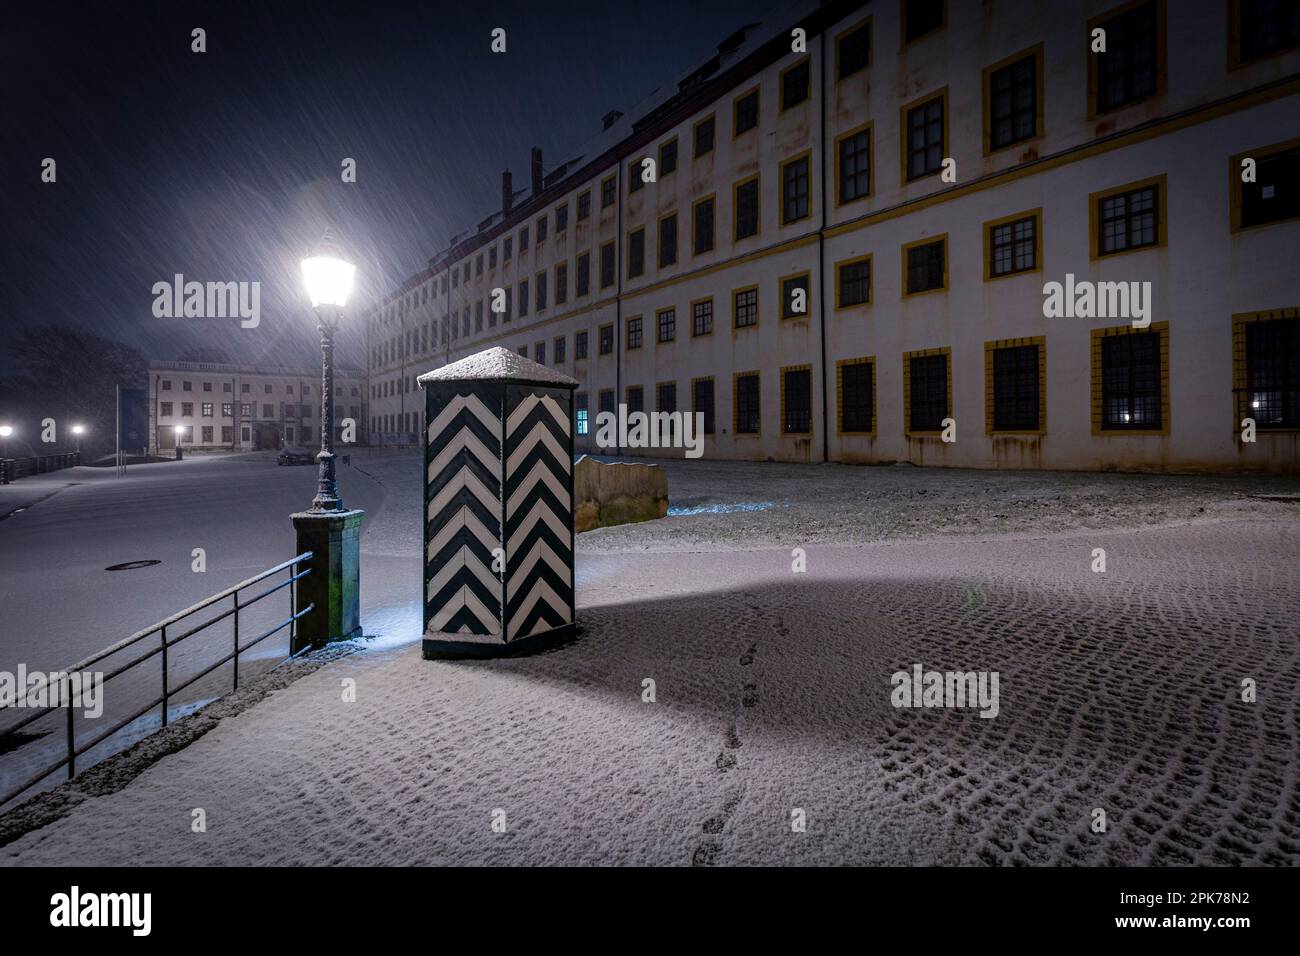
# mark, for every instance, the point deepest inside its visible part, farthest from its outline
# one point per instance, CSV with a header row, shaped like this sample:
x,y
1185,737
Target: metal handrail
x,y
73,750
206,602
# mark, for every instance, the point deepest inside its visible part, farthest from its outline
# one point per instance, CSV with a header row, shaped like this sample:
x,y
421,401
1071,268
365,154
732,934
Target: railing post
x,y
293,607
72,735
164,676
236,596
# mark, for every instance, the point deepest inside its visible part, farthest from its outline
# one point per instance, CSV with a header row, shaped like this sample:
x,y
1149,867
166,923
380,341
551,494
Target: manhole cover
x,y
132,565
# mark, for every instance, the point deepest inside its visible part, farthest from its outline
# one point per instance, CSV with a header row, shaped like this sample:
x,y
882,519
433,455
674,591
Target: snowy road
x,y
1119,691
60,604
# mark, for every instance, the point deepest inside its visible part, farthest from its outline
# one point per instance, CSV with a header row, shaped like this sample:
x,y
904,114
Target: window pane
x,y
855,283
929,392
925,267
794,190
1275,194
746,308
1130,381
925,138
1013,95
855,397
854,51
1012,247
794,85
702,401
1015,388
1126,72
855,166
748,415
702,317
794,297
1273,373
797,418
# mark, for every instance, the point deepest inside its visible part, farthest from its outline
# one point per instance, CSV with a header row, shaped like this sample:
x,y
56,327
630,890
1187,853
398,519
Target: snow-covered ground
x,y
1119,691
59,603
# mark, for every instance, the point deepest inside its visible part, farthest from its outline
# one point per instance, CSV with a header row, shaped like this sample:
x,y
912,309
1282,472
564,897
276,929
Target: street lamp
x,y
78,430
328,588
5,432
328,277
180,434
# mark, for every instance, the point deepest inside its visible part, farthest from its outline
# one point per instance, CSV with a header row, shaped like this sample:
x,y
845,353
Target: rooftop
x,y
234,369
497,364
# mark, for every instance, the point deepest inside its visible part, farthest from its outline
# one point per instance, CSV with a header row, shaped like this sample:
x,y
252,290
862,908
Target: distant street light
x,y
180,434
328,277
78,430
5,432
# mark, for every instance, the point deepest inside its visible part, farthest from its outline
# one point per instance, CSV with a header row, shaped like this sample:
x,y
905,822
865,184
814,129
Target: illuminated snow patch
x,y
722,509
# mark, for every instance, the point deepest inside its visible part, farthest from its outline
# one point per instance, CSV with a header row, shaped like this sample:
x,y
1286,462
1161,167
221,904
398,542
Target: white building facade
x,y
853,223
215,407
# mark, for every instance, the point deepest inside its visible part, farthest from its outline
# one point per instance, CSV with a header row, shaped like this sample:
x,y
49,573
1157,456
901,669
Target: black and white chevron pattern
x,y
538,511
463,595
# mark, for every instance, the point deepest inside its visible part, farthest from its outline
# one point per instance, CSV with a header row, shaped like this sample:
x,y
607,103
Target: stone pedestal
x,y
498,532
334,585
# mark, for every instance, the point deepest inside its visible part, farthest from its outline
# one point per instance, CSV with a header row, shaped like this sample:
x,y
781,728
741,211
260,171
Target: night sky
x,y
225,165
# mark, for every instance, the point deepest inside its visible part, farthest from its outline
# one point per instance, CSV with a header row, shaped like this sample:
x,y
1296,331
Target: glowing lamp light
x,y
6,431
327,275
179,429
78,429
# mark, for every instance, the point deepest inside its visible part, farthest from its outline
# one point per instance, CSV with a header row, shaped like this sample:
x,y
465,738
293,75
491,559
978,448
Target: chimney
x,y
507,191
610,118
537,170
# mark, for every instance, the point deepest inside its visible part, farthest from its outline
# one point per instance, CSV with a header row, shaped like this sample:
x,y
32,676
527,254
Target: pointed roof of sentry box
x,y
498,364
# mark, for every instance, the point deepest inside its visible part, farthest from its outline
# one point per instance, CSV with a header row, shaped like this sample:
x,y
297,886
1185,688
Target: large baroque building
x,y
852,218
209,407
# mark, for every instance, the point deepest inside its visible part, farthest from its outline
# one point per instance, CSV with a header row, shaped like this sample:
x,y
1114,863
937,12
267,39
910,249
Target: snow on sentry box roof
x,y
498,364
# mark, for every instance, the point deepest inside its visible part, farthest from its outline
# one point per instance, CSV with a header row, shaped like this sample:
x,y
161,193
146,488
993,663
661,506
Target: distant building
x,y
845,249
247,407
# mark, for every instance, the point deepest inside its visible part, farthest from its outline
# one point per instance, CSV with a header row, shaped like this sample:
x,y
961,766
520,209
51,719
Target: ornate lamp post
x,y
332,535
328,277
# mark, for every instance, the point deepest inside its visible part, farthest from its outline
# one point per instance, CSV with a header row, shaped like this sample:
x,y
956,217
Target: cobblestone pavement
x,y
851,504
1119,691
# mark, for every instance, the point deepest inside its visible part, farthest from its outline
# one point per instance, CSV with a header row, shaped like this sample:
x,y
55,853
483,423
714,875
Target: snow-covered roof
x,y
229,368
497,364
745,42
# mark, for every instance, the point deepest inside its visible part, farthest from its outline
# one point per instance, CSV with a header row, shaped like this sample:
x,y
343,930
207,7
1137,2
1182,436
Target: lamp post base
x,y
334,584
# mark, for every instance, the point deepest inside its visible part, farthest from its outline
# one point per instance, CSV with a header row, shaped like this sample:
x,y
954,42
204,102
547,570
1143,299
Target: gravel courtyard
x,y
1119,691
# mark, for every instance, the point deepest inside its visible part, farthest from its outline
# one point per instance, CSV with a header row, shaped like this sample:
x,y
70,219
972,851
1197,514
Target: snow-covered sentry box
x,y
498,530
